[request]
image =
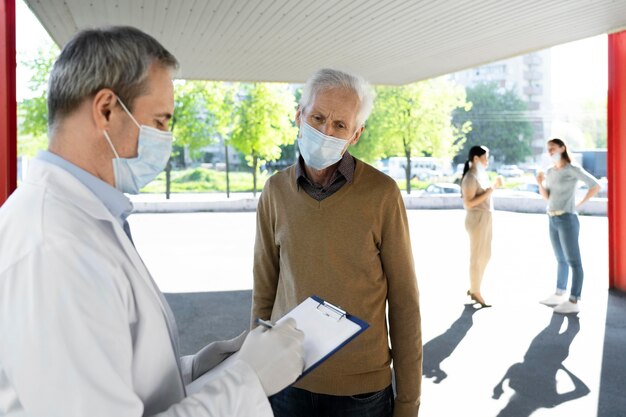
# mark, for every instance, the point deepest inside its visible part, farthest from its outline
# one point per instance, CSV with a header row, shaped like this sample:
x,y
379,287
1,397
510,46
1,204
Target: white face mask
x,y
481,169
153,151
319,150
556,157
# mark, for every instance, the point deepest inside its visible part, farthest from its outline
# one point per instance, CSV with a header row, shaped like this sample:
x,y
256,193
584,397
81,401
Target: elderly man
x,y
336,227
84,330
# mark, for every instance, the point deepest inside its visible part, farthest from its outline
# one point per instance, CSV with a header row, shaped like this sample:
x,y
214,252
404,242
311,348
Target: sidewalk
x,y
554,365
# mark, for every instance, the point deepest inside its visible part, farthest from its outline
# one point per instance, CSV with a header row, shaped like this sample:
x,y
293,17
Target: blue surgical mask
x,y
154,147
319,150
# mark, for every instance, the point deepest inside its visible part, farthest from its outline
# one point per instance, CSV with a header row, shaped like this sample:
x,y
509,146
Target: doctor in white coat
x,y
84,330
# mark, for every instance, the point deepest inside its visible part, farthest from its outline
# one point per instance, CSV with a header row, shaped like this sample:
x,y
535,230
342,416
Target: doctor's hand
x,y
276,355
214,353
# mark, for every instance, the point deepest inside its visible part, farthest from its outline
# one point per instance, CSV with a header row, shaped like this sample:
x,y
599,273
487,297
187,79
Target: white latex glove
x,y
276,355
214,353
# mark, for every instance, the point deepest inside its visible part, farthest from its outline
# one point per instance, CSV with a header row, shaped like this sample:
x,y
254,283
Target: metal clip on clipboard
x,y
330,310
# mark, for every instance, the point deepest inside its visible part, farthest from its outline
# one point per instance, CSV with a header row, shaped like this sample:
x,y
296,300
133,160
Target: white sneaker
x,y
567,307
553,300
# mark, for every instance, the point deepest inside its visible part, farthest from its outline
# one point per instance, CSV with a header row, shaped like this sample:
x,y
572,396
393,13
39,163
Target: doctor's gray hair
x,y
327,78
117,57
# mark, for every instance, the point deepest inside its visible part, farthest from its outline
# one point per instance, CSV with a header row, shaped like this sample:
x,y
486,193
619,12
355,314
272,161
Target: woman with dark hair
x,y
476,191
558,186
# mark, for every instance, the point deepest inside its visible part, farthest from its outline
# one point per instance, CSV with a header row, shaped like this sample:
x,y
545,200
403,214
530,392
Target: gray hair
x,y
116,57
327,78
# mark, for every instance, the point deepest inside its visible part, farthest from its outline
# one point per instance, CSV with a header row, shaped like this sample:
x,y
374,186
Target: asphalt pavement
x,y
514,359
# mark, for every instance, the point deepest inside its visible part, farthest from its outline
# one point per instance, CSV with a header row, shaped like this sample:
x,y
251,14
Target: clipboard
x,y
326,327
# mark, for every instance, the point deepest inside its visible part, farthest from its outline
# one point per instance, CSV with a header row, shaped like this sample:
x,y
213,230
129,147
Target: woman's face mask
x,y
319,150
481,163
153,151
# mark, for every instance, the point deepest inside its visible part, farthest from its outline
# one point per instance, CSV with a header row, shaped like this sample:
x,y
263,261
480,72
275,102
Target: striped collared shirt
x,y
342,175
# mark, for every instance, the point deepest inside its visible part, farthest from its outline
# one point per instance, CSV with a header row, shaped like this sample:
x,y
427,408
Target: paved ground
x,y
550,365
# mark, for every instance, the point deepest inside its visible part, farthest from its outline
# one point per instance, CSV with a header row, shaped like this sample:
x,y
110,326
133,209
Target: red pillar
x,y
8,106
616,169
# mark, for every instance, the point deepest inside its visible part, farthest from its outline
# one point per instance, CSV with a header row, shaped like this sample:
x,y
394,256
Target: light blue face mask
x,y
153,151
319,150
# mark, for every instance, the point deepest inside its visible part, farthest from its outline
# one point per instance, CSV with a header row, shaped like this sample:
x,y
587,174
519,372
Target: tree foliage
x,y
413,120
263,122
593,123
33,111
498,120
203,112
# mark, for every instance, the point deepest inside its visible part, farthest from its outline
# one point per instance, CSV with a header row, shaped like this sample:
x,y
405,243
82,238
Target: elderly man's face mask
x,y
319,150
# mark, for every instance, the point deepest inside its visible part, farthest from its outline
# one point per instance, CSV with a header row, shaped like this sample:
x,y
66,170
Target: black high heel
x,y
477,301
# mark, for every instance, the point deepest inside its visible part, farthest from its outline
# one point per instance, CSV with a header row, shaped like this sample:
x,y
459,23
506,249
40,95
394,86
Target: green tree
x,y
202,113
288,152
263,124
498,120
413,120
33,111
593,123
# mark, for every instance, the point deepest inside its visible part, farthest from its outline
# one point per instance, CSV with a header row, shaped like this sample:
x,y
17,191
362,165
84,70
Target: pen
x,y
264,323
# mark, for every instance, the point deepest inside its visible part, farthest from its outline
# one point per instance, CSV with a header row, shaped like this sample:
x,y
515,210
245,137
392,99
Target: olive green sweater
x,y
352,249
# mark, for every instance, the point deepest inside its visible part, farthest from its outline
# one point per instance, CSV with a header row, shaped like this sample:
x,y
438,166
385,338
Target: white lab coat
x,y
82,328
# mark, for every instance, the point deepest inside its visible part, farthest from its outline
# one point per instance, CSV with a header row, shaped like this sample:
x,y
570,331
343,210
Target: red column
x,y
616,164
8,106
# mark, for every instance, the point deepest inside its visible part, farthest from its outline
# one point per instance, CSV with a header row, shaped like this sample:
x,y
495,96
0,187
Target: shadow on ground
x,y
204,317
612,401
209,316
441,347
535,379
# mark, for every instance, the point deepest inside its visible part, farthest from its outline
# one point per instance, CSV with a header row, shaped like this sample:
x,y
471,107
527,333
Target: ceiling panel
x,y
386,41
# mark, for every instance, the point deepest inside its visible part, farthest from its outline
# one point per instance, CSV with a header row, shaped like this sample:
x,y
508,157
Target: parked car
x,y
529,186
582,188
442,188
422,167
510,171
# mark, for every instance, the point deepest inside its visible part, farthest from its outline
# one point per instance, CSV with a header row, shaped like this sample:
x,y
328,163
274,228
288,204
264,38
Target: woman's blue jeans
x,y
295,402
564,231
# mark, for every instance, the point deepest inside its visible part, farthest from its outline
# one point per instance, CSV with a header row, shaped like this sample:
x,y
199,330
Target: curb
x,y
594,207
165,206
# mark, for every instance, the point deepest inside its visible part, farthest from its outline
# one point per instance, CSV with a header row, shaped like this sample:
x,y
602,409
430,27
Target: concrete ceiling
x,y
386,41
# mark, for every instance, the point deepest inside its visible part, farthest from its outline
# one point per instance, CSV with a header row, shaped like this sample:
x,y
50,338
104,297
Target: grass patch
x,y
200,180
203,180
415,184
515,182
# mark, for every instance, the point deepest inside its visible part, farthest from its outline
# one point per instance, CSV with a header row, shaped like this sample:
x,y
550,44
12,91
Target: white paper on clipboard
x,y
326,329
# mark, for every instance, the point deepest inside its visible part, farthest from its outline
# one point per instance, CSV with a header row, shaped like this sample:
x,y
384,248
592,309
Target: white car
x,y
442,188
510,171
